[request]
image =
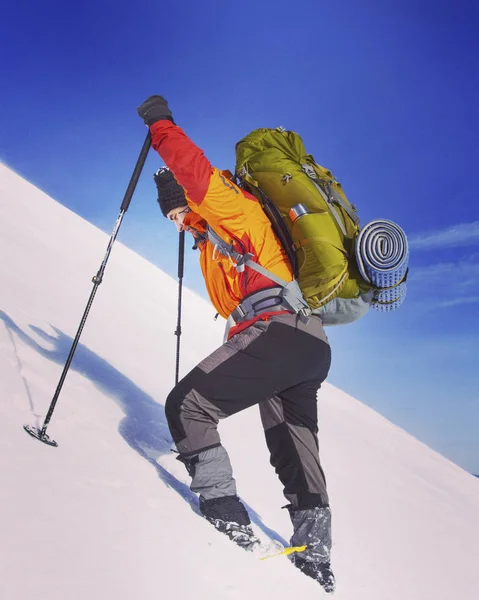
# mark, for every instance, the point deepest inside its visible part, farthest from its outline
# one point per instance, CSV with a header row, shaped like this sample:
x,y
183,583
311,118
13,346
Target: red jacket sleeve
x,y
187,162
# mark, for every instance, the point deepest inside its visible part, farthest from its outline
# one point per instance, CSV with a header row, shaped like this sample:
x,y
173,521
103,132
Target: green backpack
x,y
312,218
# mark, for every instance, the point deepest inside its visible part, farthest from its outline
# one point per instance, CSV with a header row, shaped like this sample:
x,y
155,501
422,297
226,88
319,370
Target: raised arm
x,y
208,192
192,170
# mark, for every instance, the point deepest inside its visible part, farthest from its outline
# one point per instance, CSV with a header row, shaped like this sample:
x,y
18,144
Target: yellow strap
x,y
286,551
250,180
389,301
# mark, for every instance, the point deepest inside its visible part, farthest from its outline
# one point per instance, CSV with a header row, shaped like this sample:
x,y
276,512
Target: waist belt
x,y
269,300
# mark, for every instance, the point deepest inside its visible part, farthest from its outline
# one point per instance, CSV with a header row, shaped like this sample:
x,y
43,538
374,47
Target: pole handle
x,y
181,263
136,173
181,254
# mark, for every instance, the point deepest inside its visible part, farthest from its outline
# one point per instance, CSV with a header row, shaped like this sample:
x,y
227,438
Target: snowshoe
x,y
320,571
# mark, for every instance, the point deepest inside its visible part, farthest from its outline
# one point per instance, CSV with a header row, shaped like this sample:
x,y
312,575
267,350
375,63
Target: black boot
x,y
312,528
229,516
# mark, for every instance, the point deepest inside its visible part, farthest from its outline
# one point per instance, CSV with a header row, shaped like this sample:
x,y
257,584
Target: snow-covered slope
x,y
97,517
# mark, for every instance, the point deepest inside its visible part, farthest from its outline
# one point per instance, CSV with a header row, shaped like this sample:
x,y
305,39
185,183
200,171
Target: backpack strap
x,y
289,294
247,183
331,197
338,199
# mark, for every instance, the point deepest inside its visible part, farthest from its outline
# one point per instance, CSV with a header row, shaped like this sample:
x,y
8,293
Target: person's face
x,y
177,215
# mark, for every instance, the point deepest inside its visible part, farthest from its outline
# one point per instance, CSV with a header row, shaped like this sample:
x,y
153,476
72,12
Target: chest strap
x,y
287,297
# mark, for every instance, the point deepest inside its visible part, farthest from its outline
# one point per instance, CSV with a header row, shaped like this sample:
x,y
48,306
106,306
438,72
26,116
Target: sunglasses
x,y
181,212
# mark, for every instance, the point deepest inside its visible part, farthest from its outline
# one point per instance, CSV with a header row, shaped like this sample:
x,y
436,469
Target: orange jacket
x,y
235,215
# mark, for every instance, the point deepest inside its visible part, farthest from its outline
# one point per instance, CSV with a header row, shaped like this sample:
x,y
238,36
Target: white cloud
x,y
446,285
461,274
464,234
459,301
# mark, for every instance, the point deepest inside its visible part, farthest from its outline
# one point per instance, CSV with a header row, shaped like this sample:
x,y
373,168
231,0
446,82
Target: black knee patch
x,y
289,468
172,411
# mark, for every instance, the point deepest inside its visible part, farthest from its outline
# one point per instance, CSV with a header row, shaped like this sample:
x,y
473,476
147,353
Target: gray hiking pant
x,y
278,364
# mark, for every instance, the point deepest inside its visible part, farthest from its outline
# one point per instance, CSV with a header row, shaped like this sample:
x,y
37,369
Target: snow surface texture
x,y
99,518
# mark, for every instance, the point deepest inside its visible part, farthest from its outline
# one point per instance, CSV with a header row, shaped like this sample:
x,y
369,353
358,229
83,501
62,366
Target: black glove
x,y
170,194
153,109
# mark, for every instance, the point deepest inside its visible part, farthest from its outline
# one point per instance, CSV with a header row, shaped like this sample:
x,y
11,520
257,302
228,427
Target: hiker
x,y
274,356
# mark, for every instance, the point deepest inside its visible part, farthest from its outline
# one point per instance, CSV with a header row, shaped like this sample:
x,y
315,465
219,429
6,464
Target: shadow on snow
x,y
144,426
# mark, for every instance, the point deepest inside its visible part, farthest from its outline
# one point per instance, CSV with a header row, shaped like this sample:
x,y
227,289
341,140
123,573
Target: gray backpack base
x,y
341,311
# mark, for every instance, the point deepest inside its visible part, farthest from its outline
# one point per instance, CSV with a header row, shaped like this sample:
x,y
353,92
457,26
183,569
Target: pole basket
x,y
37,433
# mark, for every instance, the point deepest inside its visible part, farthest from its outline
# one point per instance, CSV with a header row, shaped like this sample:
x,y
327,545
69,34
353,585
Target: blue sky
x,y
385,94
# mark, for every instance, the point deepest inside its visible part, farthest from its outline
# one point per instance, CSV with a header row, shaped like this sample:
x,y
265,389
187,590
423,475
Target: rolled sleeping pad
x,y
382,255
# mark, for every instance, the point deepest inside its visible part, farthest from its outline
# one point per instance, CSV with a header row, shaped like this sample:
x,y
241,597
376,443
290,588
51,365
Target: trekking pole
x,y
40,433
181,264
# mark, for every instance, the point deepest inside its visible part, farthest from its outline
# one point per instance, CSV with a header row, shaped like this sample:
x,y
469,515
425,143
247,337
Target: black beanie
x,y
170,193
